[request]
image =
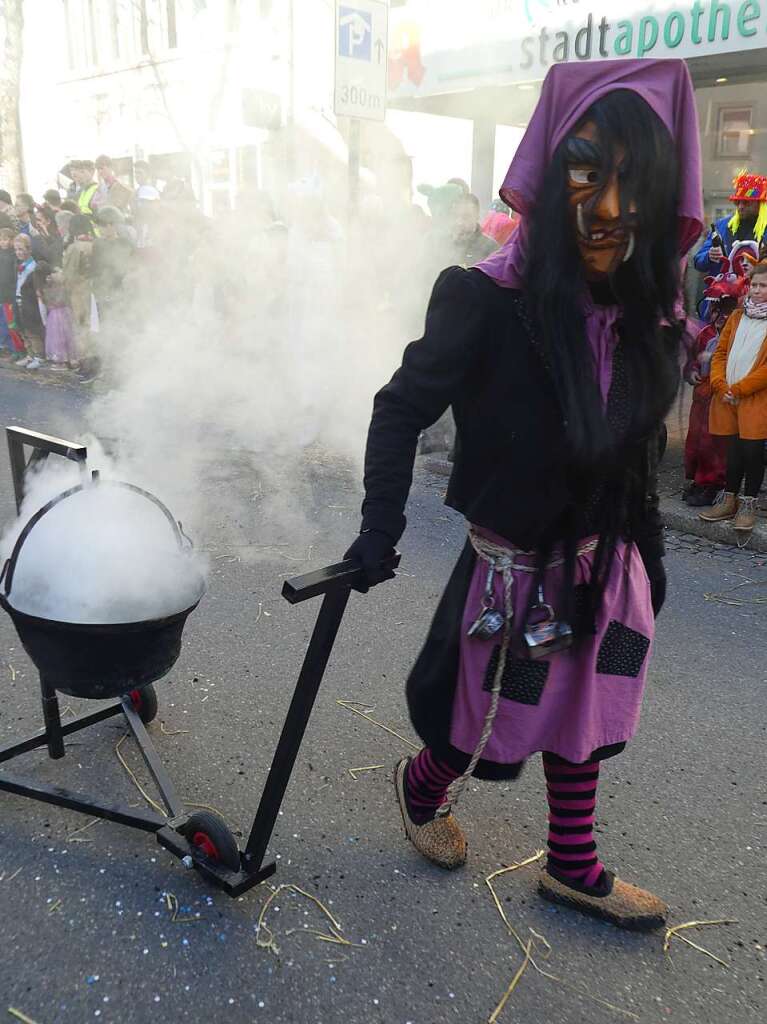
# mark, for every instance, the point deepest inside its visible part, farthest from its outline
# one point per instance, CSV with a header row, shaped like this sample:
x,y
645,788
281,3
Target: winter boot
x,y
745,520
615,901
725,507
702,497
440,840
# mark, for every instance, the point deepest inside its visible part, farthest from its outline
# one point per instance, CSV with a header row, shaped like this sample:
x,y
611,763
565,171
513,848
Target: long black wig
x,y
646,286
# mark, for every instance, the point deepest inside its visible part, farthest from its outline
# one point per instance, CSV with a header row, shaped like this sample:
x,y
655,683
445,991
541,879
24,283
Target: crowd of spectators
x,y
65,258
74,262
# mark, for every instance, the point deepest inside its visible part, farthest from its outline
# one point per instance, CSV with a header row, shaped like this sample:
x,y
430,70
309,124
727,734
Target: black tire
x,y
145,703
210,835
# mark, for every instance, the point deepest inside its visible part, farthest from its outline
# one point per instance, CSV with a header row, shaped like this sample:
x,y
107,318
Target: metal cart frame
x,y
334,584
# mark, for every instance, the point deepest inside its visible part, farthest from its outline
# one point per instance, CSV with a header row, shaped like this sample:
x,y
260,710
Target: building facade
x,y
236,94
195,87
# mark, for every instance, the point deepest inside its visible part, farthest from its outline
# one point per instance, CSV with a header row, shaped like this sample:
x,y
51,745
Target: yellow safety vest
x,y
84,199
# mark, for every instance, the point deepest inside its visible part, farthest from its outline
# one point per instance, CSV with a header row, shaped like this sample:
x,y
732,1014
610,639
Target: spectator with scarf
x,y
739,406
27,305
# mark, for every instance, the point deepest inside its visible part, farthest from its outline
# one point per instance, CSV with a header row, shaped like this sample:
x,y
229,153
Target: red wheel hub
x,y
203,842
136,701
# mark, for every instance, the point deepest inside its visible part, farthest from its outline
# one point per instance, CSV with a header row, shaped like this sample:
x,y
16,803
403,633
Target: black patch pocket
x,y
522,681
622,651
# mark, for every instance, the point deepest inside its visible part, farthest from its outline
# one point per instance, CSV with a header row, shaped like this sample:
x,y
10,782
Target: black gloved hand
x,y
370,549
657,575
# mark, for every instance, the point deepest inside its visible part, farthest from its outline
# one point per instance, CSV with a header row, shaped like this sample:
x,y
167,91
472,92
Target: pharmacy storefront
x,y
484,62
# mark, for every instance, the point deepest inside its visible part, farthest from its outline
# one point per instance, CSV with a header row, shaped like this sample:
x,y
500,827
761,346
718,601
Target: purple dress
x,y
571,703
59,334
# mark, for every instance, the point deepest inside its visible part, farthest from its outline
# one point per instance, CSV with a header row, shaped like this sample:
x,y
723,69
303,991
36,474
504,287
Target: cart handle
x,y
333,577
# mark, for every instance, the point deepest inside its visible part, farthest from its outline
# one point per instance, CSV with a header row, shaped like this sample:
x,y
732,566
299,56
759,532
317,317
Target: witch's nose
x,y
609,204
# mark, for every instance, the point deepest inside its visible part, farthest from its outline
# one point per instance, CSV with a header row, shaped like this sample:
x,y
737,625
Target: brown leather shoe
x,y
623,905
746,518
440,840
725,507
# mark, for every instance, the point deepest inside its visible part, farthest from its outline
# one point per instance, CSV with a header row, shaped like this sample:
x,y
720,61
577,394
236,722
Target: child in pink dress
x,y
59,334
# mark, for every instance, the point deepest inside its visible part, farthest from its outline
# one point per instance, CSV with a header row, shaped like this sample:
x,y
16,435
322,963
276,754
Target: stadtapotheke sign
x,y
461,45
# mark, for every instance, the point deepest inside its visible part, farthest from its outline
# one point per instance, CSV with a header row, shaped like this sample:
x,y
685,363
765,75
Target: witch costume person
x,y
559,357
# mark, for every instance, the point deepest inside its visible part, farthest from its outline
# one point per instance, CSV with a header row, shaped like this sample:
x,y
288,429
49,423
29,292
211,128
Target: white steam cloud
x,y
105,554
238,335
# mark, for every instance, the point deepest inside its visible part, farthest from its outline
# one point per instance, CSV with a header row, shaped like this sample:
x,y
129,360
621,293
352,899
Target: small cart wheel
x,y
144,703
211,836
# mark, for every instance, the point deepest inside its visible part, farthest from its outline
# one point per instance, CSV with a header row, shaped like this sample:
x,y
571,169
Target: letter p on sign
x,y
648,35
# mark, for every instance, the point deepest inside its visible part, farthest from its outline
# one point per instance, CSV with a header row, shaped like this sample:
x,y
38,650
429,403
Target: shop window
x,y
93,33
734,134
167,166
71,59
114,29
143,22
80,27
172,26
219,167
248,161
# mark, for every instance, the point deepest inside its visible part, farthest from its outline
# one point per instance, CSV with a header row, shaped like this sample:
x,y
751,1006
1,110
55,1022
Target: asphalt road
x,y
87,933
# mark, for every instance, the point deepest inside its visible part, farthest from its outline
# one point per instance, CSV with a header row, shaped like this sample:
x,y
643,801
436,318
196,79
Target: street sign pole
x,y
354,166
361,73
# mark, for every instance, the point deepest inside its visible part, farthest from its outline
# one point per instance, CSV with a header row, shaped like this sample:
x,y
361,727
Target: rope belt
x,y
500,558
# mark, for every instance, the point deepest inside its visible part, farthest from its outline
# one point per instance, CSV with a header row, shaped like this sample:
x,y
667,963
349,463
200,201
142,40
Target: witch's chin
x,y
600,262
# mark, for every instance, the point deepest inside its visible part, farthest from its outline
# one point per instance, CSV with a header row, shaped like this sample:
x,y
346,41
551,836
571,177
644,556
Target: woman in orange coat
x,y
739,405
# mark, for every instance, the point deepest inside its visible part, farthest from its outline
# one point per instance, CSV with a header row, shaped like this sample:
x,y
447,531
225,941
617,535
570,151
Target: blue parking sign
x,y
355,33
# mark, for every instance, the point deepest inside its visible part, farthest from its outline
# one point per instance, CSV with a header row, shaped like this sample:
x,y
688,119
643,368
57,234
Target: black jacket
x,y
28,308
7,275
511,472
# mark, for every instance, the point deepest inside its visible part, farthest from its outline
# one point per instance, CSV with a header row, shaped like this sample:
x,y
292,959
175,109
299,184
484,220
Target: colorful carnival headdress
x,y
750,188
727,290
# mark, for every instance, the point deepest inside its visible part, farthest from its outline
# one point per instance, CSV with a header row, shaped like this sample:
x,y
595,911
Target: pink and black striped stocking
x,y
427,782
572,795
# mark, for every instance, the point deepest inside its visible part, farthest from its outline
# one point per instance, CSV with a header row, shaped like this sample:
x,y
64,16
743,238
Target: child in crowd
x,y
59,334
739,405
704,453
27,305
10,342
45,222
77,282
63,220
112,259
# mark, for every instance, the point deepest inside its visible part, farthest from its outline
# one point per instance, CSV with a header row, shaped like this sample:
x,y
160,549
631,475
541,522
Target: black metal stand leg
x,y
52,719
152,761
312,671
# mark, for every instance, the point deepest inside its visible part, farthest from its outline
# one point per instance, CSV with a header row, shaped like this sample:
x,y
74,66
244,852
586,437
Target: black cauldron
x,y
98,661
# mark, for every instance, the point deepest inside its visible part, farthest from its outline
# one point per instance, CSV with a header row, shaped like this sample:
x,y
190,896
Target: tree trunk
x,y
11,154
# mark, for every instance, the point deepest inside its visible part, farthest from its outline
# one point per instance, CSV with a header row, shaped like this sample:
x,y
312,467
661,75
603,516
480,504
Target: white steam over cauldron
x,y
105,554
